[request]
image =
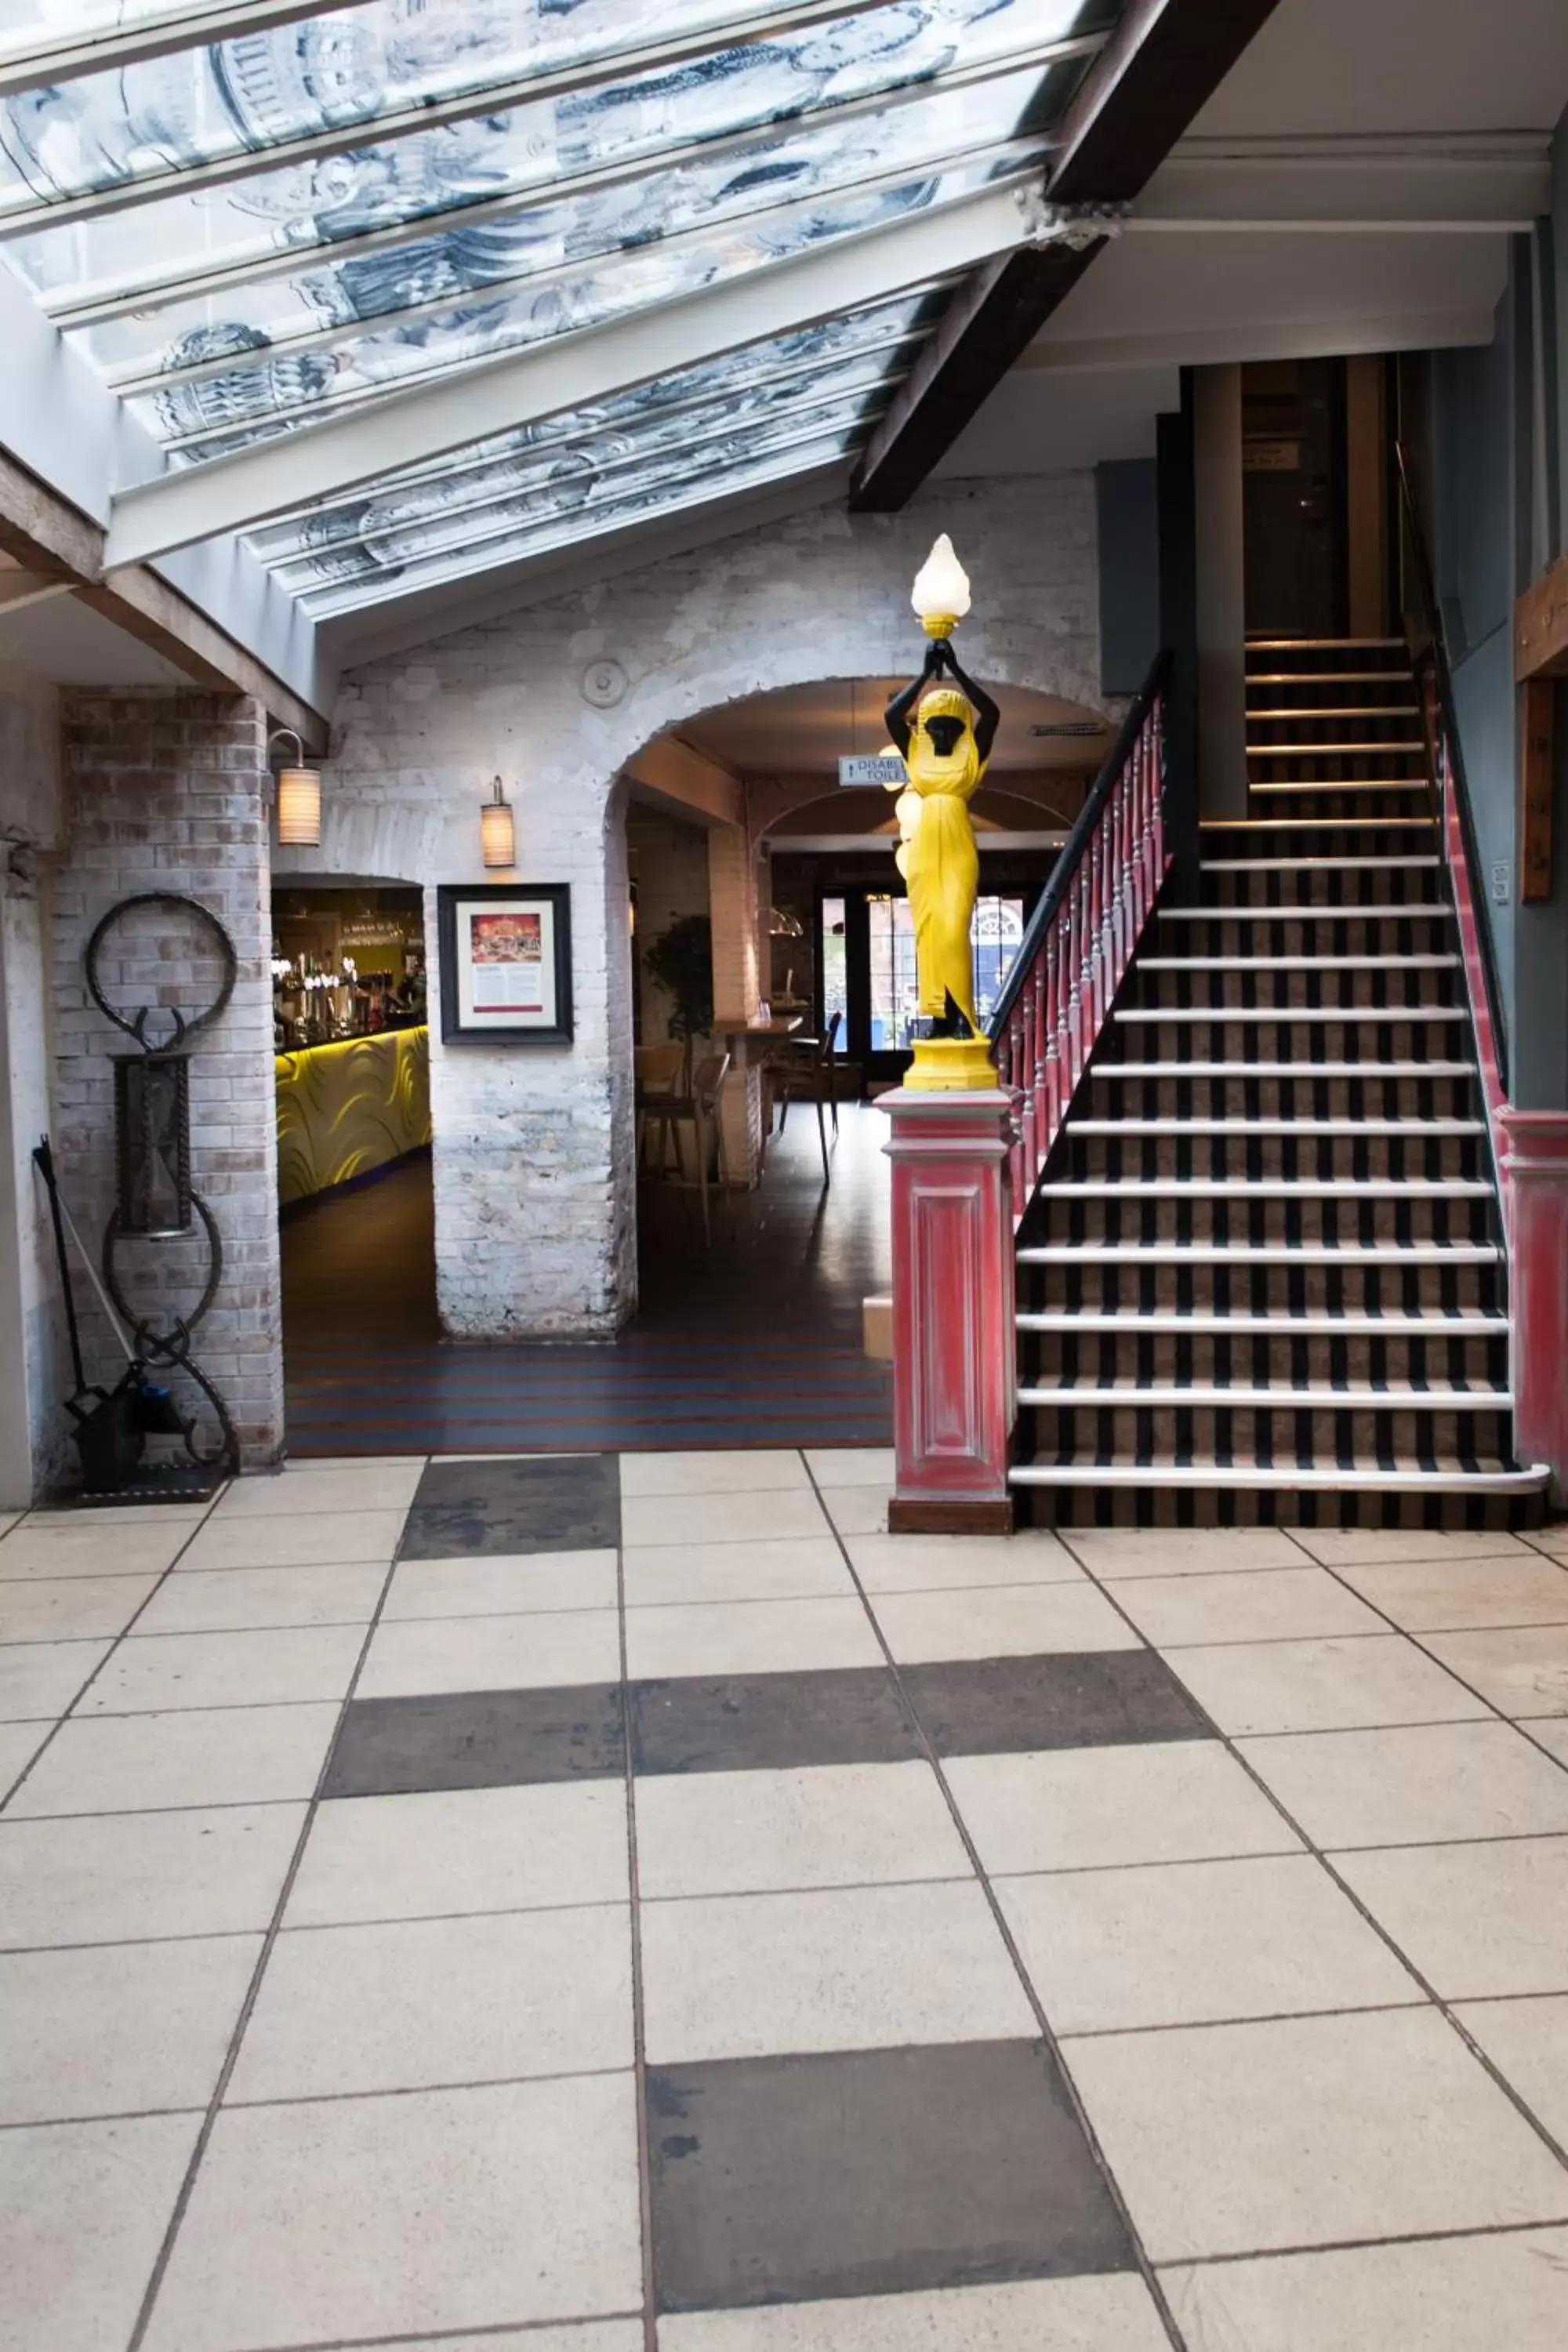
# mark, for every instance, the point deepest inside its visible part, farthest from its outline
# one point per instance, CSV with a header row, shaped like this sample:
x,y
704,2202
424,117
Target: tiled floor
x,y
582,1904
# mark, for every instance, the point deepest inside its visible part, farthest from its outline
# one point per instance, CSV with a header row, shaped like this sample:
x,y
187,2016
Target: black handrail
x,y
1430,615
1078,840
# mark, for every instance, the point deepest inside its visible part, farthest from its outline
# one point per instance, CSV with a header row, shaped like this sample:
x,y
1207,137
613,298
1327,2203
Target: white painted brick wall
x,y
534,1183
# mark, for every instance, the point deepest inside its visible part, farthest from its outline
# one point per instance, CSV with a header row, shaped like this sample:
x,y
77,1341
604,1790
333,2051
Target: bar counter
x,y
350,1106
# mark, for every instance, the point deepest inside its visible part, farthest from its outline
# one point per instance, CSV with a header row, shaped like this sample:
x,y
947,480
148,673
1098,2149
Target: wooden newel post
x,y
1534,1173
954,1351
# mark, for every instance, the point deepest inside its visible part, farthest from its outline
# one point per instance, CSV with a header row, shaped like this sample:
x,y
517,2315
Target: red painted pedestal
x,y
1535,1181
954,1378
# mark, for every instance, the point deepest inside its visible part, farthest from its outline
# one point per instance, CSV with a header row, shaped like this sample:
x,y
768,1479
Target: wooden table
x,y
740,1033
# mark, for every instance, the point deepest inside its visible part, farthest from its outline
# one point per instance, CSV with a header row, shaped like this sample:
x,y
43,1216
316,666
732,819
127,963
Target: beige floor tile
x,y
841,1468
1346,1547
1006,1621
1476,1919
313,1466
1080,1809
1523,1670
1309,2130
770,1512
1451,1594
414,2004
19,1743
1527,2042
332,1486
222,1756
118,2028
108,1881
1552,1540
1394,1788
858,1510
592,2336
258,1669
941,1563
248,1600
465,1653
808,1567
305,1538
1269,1605
78,1543
1195,1943
1067,2315
741,1472
462,1850
501,1585
83,2207
858,1967
440,2211
749,1637
38,1680
1551,1734
1443,2295
71,1607
832,1825
1332,1683
1118,1552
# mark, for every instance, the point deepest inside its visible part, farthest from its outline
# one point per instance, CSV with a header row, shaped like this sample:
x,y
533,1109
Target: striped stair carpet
x,y
1263,1279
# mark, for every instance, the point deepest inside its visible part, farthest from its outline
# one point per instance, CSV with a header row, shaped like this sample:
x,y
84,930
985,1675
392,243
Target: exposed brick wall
x,y
163,790
534,1186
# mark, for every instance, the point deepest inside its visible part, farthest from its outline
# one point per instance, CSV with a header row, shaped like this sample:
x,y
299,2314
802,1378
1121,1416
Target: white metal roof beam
x,y
654,55
106,48
774,298
95,305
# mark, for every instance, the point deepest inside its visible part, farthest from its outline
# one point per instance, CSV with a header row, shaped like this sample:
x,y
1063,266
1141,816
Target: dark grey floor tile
x,y
871,2172
739,1722
1083,1698
568,1502
476,1739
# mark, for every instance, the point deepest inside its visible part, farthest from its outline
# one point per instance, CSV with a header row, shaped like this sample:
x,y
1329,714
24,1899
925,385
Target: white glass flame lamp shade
x,y
299,808
941,595
498,836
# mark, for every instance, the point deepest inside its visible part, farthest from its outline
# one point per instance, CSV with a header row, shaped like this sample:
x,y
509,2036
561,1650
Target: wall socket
x,y
1502,881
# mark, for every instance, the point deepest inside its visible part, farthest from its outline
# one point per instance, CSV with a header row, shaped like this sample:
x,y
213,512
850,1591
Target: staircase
x,y
1263,1277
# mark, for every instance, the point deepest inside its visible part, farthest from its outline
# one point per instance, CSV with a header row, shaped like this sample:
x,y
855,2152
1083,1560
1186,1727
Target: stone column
x,y
954,1347
737,990
1535,1175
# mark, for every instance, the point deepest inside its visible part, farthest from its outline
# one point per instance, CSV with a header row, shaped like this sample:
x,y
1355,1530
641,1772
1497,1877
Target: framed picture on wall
x,y
505,961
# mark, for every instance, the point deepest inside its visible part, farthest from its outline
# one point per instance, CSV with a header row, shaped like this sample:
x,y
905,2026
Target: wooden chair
x,y
704,1106
806,1071
658,1071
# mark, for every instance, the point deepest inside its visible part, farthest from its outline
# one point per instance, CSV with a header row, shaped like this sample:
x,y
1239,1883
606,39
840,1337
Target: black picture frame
x,y
460,1024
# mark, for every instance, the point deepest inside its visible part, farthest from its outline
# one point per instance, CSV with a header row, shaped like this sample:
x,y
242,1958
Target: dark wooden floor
x,y
753,1342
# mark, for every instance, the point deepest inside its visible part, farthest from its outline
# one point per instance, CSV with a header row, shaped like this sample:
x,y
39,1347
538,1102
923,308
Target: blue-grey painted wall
x,y
1127,505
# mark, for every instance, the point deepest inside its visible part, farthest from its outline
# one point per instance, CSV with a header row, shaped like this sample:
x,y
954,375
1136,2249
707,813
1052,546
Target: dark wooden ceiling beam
x,y
1161,65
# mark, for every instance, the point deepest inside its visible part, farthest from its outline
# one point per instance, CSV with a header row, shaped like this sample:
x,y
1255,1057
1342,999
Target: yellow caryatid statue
x,y
946,734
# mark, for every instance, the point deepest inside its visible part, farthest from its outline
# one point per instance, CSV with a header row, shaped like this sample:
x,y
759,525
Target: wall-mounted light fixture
x,y
298,796
498,835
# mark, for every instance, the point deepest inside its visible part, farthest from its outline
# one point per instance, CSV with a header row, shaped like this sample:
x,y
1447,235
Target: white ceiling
x,y
72,644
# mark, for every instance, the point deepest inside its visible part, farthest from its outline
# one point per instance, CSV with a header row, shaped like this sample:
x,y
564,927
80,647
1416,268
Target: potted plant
x,y
680,963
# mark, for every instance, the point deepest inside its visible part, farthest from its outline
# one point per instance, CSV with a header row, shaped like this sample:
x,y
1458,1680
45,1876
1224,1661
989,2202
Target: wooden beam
x,y
64,548
686,782
1538,699
1540,627
1163,63
18,590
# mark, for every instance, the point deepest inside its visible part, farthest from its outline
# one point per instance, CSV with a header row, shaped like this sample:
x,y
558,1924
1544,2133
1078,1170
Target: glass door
x,y
865,968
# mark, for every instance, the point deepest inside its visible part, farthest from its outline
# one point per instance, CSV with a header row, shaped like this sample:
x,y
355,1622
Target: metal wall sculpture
x,y
155,1200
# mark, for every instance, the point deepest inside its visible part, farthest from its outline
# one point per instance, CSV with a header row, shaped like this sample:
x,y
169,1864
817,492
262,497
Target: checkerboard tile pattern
x,y
598,1905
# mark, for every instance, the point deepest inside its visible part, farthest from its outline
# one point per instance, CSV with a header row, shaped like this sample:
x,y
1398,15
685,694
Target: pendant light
x,y
498,835
299,797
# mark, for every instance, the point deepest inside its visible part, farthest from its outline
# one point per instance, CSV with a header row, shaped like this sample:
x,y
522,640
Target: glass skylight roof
x,y
313,216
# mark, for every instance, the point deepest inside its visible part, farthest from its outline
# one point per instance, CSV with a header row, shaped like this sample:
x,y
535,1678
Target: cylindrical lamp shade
x,y
498,836
298,807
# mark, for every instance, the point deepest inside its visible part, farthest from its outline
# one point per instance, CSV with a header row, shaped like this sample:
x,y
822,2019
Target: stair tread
x,y
1258,645
1340,710
1396,746
1315,1322
1177,1126
1283,1070
1313,1398
1435,960
1314,824
1381,1254
1386,910
1384,864
1336,783
1328,678
1165,1470
1283,1187
1341,1016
